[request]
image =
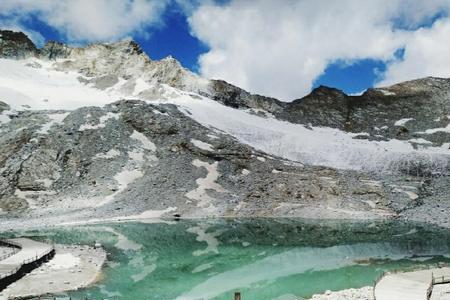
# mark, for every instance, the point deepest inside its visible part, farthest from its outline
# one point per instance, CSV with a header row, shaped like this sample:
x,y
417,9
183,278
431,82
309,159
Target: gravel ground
x,y
365,293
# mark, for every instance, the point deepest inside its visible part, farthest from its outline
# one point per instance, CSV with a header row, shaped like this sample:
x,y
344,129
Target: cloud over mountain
x,y
279,48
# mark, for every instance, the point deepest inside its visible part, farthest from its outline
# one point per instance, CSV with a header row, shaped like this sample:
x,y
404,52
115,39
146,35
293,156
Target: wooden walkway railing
x,y
13,271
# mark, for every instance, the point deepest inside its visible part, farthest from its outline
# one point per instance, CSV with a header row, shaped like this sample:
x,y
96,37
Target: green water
x,y
263,259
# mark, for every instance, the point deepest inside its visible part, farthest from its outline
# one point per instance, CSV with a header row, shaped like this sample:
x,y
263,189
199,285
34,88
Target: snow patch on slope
x,y
102,122
55,119
402,122
317,145
24,87
204,184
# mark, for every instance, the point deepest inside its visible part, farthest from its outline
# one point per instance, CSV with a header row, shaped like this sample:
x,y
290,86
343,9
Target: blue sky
x,y
281,49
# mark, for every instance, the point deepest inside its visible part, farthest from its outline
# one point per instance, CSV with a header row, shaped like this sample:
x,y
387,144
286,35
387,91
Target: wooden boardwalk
x,y
29,253
410,285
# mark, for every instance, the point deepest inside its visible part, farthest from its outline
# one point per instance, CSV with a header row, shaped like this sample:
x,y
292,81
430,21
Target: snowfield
x,y
35,84
317,146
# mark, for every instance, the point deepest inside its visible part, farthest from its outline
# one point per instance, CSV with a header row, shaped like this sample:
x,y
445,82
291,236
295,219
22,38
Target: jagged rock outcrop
x,y
324,106
236,97
3,106
16,45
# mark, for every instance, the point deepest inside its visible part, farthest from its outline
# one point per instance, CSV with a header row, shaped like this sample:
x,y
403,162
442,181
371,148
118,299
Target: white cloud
x,y
426,54
14,25
278,48
89,20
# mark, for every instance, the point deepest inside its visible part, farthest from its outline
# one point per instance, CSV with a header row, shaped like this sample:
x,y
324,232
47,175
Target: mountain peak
x,y
323,90
16,45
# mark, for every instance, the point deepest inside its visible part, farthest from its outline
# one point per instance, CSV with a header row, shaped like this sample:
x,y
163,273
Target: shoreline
x,y
23,223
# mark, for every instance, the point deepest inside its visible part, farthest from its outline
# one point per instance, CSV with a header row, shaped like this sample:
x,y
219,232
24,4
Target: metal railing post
x,y
237,296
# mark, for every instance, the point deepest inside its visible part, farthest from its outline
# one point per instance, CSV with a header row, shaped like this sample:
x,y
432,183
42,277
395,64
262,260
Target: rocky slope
x,y
72,150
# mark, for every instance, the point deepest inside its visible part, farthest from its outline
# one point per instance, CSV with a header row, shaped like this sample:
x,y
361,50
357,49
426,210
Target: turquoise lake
x,y
261,258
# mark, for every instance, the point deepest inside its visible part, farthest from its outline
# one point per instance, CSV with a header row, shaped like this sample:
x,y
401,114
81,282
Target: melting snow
x,y
102,122
146,143
108,155
4,117
386,92
245,172
140,86
420,141
434,130
55,119
208,183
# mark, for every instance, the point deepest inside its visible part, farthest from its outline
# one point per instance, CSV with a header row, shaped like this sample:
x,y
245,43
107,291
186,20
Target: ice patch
x,y
202,145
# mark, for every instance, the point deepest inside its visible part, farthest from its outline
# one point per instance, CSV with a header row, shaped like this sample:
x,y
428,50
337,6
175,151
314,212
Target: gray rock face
x,y
129,157
16,45
54,50
3,106
422,104
236,97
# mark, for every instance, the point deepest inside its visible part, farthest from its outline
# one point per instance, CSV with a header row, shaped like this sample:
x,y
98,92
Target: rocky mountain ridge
x,y
182,144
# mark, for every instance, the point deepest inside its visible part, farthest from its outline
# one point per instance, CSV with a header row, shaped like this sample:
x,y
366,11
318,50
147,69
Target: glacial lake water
x,y
261,258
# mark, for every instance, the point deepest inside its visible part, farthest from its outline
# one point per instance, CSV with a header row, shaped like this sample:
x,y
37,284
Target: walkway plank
x,y
30,251
407,286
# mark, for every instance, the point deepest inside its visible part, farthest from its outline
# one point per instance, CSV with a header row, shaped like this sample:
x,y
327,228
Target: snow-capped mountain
x,y
105,128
